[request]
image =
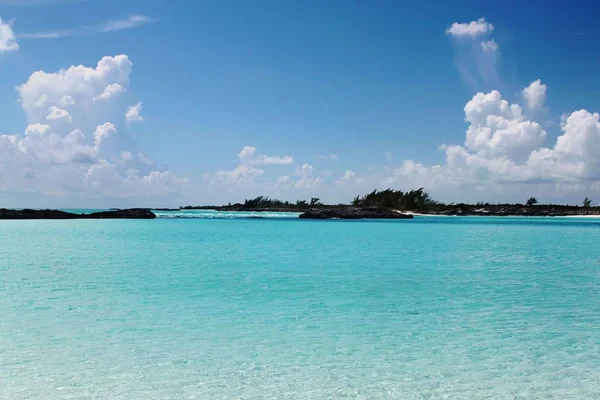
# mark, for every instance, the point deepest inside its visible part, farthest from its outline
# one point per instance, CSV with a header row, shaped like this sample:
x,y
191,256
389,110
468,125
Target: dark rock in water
x,y
354,213
129,213
132,213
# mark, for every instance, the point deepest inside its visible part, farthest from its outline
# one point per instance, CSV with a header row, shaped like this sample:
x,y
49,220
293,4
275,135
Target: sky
x,y
163,103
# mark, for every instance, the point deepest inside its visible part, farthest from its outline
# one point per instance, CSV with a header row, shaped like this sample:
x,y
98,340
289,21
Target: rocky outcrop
x,y
353,213
128,213
131,213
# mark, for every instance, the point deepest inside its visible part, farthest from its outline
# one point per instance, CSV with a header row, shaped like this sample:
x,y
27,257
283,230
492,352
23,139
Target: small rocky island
x,y
131,213
349,212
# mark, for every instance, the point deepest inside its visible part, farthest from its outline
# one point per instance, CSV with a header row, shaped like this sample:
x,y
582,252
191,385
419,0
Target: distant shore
x,y
130,213
489,210
326,212
414,202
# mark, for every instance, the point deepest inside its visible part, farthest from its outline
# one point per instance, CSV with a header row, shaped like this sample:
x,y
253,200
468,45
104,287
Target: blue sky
x,y
376,84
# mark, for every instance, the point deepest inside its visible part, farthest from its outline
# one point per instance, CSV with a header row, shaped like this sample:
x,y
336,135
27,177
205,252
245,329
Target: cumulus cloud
x,y
504,154
102,133
72,150
111,91
535,95
7,38
76,88
499,129
133,113
471,29
57,114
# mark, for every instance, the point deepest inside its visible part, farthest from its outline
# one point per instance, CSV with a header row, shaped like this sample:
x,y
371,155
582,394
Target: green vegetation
x,y
415,200
531,202
266,202
396,199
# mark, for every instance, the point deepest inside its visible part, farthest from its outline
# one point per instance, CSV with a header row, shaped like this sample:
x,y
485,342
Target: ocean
x,y
206,305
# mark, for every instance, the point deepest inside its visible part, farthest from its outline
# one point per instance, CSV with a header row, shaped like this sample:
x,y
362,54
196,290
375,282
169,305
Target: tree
x,y
302,203
314,201
587,203
531,201
414,200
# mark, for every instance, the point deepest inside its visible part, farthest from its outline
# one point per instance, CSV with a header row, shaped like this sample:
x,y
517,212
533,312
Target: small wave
x,y
212,214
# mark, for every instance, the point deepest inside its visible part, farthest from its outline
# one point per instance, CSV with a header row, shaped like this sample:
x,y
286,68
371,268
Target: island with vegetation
x,y
397,204
378,204
131,213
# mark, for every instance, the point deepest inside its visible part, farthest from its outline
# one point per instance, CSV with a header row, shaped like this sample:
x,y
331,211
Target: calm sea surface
x,y
214,306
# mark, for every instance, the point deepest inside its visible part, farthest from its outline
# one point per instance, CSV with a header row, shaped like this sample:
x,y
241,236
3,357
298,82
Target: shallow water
x,y
205,308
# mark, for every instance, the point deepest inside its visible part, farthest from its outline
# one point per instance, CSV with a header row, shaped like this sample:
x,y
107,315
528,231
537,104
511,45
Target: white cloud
x,y
246,173
349,175
111,91
388,155
88,161
307,182
130,22
102,133
7,38
349,179
489,45
535,95
248,180
470,29
248,155
67,101
498,129
77,86
503,158
241,174
133,113
57,114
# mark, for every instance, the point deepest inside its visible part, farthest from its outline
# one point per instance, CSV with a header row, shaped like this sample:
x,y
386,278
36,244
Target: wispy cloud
x,y
130,22
29,3
587,32
330,156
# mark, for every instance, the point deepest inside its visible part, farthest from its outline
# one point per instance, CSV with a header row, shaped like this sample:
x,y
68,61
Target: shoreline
x,y
322,213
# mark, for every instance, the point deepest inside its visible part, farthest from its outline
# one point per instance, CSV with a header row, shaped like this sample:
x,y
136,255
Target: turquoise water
x,y
195,308
211,214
